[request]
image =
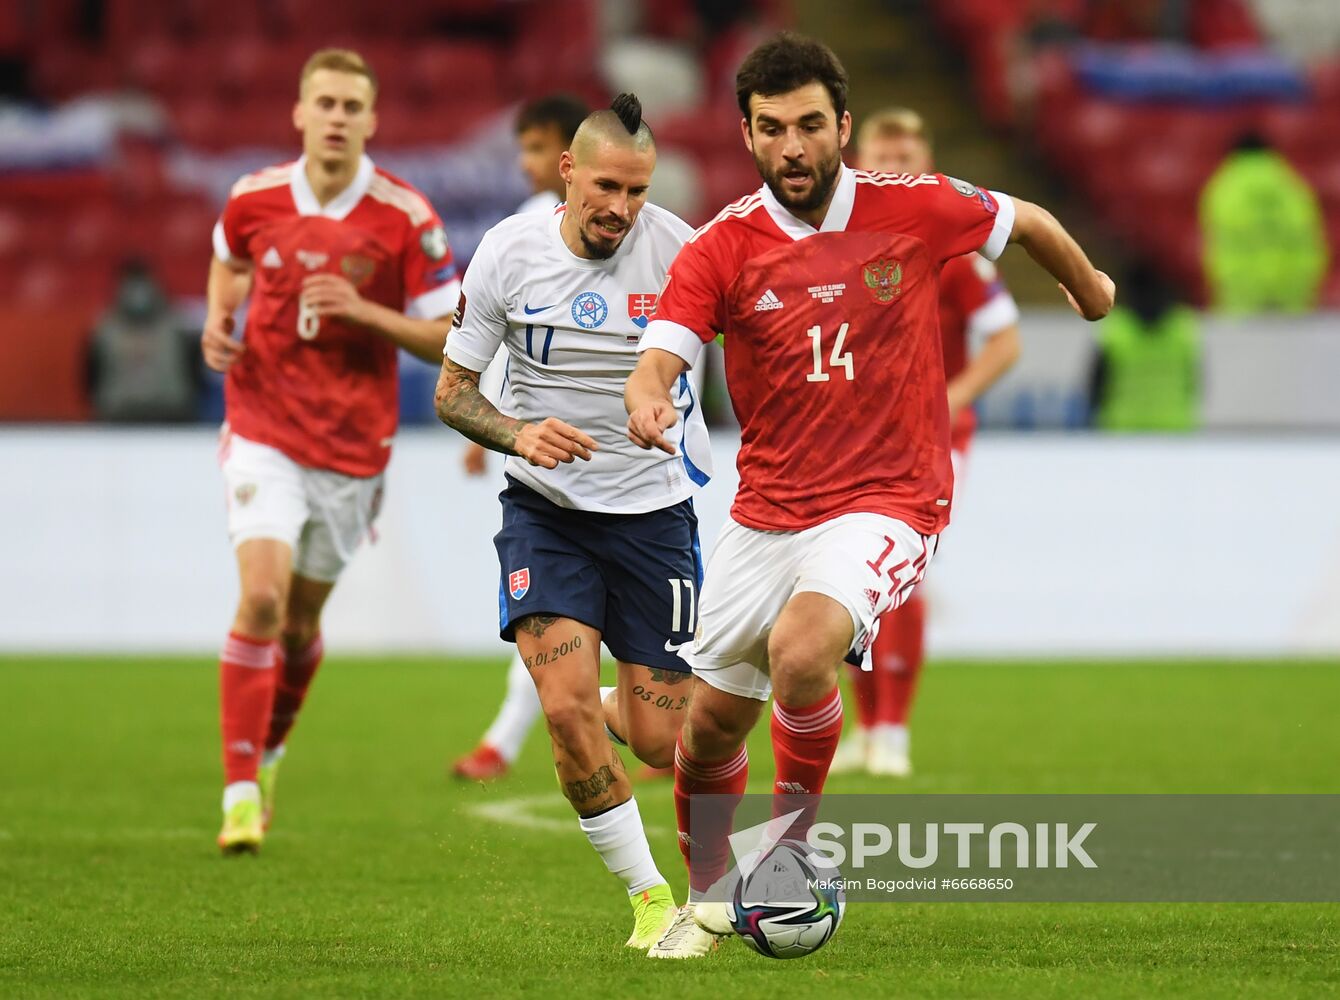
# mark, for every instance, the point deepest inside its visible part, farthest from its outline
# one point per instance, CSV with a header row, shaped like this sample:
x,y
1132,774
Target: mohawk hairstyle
x,y
629,111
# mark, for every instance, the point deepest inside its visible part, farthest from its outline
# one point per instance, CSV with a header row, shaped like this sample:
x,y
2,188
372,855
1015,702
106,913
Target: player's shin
x,y
898,655
804,739
246,690
704,827
297,664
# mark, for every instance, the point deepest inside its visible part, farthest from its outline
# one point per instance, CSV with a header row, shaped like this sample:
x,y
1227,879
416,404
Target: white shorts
x,y
868,563
321,515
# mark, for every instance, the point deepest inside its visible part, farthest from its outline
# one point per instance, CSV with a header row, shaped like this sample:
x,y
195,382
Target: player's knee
x,y
715,730
802,661
655,749
261,609
299,629
573,723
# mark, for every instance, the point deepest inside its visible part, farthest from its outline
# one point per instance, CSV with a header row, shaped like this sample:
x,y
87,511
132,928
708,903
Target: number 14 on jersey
x,y
836,359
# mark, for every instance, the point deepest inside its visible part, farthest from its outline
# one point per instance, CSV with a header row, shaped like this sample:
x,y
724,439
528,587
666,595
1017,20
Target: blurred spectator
x,y
143,360
1147,373
544,129
1203,24
1264,233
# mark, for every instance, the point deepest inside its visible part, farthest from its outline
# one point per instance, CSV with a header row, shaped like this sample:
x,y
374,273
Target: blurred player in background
x,y
544,131
344,265
599,540
979,333
825,284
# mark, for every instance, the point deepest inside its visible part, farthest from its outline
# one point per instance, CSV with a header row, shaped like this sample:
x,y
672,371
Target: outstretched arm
x,y
646,397
1090,291
461,405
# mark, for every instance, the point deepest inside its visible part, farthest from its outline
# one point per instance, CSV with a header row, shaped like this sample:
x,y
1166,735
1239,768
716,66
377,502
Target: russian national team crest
x,y
589,310
357,268
518,582
884,279
640,307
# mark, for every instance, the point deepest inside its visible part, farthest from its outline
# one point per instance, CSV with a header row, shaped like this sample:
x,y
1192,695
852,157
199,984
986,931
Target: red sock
x,y
704,845
863,687
296,670
803,742
246,689
897,658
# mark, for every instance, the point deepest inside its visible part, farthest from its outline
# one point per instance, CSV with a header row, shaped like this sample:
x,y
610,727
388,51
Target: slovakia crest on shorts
x,y
518,582
640,307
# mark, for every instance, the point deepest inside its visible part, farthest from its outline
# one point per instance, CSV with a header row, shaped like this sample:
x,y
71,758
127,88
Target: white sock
x,y
893,737
519,711
270,756
619,839
240,791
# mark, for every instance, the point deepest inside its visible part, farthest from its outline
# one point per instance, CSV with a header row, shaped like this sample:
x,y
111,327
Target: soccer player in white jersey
x,y
599,539
825,284
544,131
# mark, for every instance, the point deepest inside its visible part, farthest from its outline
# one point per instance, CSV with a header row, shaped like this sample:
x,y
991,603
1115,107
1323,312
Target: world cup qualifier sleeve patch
x,y
518,582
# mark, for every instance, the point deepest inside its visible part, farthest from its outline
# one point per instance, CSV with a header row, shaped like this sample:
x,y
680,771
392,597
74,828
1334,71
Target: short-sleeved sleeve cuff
x,y
993,316
221,248
1001,231
440,302
664,335
463,356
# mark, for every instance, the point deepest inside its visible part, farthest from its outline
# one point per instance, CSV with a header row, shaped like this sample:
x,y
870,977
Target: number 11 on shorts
x,y
678,621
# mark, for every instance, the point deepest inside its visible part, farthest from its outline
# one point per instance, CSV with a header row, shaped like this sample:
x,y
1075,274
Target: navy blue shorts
x,y
633,577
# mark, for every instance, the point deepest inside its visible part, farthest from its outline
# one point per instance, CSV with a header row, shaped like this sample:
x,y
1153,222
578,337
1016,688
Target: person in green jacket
x,y
1265,242
1147,373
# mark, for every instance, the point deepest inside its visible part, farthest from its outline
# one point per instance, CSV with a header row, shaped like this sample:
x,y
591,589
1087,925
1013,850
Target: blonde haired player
x,y
979,335
343,265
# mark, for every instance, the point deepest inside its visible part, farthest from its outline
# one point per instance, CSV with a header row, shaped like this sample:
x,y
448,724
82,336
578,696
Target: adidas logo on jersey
x,y
272,259
768,300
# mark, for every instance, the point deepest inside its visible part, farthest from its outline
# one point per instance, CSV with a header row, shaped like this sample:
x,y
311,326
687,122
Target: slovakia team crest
x,y
518,582
640,307
589,310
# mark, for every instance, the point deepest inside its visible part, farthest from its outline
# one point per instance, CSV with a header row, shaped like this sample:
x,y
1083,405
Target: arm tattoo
x,y
462,406
586,789
536,625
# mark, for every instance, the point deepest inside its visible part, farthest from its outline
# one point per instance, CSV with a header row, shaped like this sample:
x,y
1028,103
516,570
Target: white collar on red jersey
x,y
839,209
339,206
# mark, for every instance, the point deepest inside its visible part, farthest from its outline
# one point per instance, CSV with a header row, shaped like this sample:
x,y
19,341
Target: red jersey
x,y
322,391
973,304
833,357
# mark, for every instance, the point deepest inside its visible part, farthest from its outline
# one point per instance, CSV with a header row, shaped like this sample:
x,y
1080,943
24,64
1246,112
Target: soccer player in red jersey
x,y
825,283
979,335
343,265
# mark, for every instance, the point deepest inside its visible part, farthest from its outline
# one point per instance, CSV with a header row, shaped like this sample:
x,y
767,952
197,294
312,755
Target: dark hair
x,y
629,111
787,62
561,111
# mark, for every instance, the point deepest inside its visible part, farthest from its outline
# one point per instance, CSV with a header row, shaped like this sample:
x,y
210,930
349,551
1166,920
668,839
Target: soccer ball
x,y
787,906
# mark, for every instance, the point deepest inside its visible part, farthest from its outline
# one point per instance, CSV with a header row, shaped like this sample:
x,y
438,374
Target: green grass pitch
x,y
382,878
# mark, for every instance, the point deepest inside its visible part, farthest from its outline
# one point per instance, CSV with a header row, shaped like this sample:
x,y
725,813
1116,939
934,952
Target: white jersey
x,y
541,201
491,382
571,328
